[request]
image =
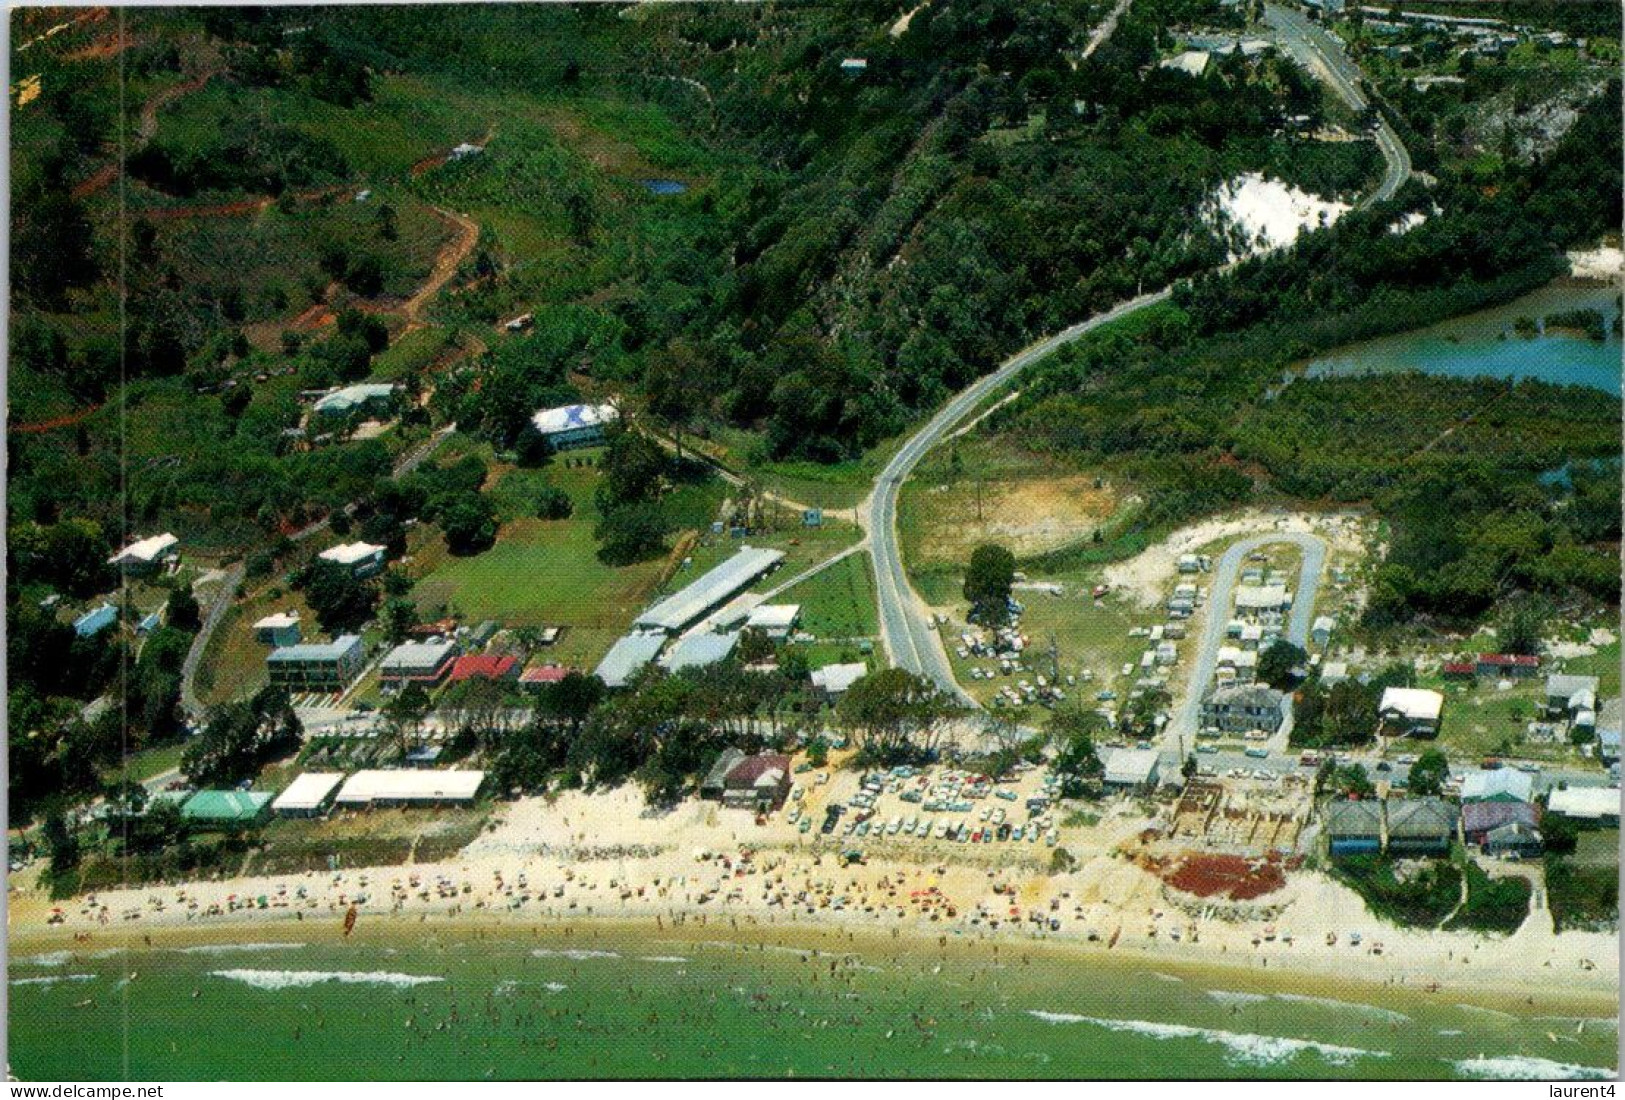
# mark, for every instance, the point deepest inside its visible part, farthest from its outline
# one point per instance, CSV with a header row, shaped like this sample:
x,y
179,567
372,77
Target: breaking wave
x,y
294,979
50,958
236,948
576,953
52,979
1521,1067
1235,997
662,959
1348,1006
1240,1048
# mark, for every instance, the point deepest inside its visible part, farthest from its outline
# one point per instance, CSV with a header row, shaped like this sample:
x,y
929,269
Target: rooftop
x,y
837,678
1420,817
1502,784
1585,802
225,805
350,553
1353,818
626,656
1131,766
1416,704
343,400
308,792
482,666
543,674
1563,686
699,649
146,550
569,418
317,651
278,621
684,606
773,616
409,785
414,656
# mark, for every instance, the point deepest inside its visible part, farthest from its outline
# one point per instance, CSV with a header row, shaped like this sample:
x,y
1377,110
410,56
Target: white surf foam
x,y
662,959
1520,1067
577,954
294,979
1346,1006
1240,1047
236,948
50,958
52,979
555,987
1236,997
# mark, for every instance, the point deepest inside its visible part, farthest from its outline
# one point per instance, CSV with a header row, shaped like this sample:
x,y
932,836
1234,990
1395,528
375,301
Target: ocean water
x,y
526,1005
1484,344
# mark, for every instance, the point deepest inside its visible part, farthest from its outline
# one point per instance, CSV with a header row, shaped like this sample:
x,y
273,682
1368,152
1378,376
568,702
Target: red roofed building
x,y
483,666
1511,665
1459,670
444,628
536,675
757,782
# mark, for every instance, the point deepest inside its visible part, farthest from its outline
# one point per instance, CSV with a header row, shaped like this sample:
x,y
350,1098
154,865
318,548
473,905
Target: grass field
x,y
839,602
547,572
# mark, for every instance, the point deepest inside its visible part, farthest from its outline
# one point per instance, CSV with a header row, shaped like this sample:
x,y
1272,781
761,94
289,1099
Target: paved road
x,y
1319,51
1182,730
912,643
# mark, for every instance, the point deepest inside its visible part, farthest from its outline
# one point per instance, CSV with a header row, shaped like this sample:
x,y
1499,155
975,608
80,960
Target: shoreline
x,y
1267,973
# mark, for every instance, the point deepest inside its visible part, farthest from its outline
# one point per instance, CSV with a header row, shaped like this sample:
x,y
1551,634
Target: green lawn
x,y
839,602
547,572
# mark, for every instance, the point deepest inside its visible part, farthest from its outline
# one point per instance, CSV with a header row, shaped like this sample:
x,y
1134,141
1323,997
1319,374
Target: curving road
x,y
1321,53
1183,727
911,641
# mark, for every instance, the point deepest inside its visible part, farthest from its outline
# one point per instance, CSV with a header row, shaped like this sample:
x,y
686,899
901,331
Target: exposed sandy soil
x,y
1147,576
1028,516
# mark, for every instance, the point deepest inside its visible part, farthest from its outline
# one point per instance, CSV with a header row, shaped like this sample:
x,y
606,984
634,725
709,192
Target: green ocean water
x,y
523,1005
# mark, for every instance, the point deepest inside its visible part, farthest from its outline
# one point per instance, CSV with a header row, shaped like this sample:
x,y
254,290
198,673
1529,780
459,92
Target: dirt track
x,y
446,262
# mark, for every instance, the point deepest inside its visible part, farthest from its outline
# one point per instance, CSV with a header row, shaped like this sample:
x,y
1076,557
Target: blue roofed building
x,y
574,425
94,622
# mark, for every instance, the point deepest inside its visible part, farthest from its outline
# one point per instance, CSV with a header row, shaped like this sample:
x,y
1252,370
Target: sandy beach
x,y
603,860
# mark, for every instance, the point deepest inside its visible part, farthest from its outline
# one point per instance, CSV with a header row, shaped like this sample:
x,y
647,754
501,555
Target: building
x,y
626,657
1498,785
279,629
150,622
1333,673
1354,828
535,677
684,607
1321,630
1409,712
760,782
1598,804
574,425
1191,62
146,556
699,650
1608,729
1513,666
1565,694
366,398
308,795
362,559
1240,664
423,663
409,787
1420,826
833,680
316,666
1459,670
94,622
1515,839
1245,708
1479,819
484,666
1131,769
776,620
221,808
1255,600
853,66
1251,636
466,149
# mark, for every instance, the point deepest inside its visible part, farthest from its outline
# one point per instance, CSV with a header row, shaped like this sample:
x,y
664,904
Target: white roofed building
x,y
363,559
1409,712
626,657
574,425
279,629
1131,769
308,795
418,663
1191,62
698,650
776,620
365,397
1585,803
684,607
833,680
409,787
146,555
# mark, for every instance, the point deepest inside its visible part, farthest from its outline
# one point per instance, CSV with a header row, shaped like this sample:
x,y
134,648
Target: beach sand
x,y
705,871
